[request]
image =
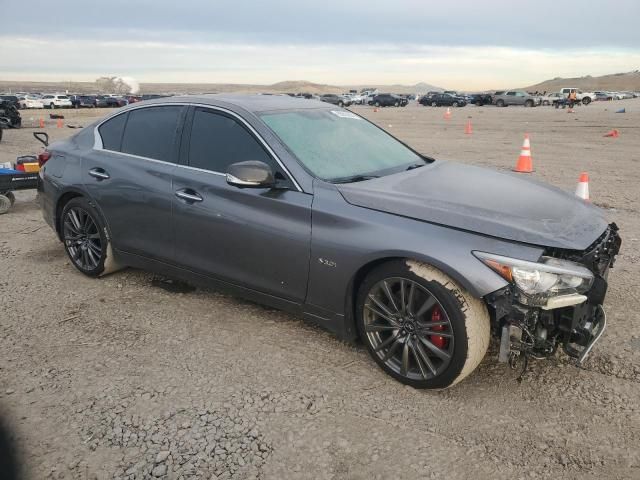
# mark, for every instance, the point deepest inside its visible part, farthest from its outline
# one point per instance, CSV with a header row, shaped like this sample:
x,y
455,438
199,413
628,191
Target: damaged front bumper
x,y
574,322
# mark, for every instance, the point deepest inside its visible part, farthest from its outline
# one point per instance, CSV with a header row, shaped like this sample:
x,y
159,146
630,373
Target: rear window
x,y
151,132
111,132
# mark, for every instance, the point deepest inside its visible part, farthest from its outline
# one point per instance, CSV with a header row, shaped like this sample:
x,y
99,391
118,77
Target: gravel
x,y
117,379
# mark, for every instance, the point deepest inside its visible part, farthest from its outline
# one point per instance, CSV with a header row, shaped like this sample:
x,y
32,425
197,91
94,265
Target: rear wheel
x,y
455,104
5,204
500,103
11,197
397,104
52,106
434,104
586,101
528,103
419,326
377,104
84,237
340,104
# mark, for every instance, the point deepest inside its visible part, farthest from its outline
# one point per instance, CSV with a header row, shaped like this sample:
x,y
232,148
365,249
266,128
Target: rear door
x,y
129,178
254,237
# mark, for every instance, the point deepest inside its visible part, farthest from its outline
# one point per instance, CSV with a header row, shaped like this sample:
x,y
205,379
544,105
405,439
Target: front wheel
x,y
500,103
397,104
84,236
528,103
454,104
420,326
434,104
586,101
377,104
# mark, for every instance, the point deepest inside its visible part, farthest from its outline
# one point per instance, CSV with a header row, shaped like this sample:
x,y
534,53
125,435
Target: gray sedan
x,y
312,209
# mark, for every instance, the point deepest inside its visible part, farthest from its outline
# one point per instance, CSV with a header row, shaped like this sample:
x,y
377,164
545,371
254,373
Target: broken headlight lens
x,y
542,280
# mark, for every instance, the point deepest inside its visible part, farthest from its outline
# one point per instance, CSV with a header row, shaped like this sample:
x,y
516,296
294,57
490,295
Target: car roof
x,y
251,103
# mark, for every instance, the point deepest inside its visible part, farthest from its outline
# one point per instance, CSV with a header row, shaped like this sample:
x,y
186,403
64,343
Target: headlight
x,y
539,281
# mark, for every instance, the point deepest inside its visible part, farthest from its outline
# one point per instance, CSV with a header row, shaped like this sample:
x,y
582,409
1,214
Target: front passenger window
x,y
217,141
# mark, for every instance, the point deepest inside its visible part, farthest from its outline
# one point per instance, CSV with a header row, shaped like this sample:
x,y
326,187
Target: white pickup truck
x,y
585,97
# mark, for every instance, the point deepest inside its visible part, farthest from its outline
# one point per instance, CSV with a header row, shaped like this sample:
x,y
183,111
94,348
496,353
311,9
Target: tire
x,y
434,104
52,106
11,197
479,104
443,354
528,104
586,100
85,242
377,104
340,104
397,104
500,103
454,104
5,204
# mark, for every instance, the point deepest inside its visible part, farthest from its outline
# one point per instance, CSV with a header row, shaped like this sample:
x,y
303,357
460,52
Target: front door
x,y
253,237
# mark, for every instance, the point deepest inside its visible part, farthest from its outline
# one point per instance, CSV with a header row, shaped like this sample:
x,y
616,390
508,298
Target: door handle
x,y
99,173
188,195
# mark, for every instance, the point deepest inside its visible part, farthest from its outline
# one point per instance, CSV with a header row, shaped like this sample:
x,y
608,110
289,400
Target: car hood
x,y
495,203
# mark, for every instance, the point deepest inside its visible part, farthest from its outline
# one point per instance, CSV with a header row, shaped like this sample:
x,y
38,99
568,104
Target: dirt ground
x,y
115,378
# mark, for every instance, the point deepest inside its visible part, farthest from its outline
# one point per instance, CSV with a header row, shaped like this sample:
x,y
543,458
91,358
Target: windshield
x,y
338,146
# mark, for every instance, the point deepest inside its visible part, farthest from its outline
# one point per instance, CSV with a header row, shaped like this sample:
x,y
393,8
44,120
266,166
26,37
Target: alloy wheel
x,y
82,238
408,329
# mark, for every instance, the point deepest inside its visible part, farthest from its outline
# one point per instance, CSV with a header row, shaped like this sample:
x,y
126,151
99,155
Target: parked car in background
x,y
585,97
56,101
424,260
388,100
552,98
12,99
442,99
479,99
100,101
30,101
133,98
83,101
335,99
115,101
516,97
601,96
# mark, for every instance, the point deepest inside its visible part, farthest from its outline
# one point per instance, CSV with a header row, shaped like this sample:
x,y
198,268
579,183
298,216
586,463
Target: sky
x,y
461,44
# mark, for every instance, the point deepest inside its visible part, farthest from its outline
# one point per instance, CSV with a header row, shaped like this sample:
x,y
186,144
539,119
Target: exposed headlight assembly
x,y
540,282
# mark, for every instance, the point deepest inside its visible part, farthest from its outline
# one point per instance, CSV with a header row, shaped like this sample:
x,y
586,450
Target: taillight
x,y
20,167
43,158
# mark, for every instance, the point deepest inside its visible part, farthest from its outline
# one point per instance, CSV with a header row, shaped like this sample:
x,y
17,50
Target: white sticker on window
x,y
345,114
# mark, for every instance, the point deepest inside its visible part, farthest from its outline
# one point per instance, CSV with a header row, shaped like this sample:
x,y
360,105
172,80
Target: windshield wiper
x,y
415,165
354,178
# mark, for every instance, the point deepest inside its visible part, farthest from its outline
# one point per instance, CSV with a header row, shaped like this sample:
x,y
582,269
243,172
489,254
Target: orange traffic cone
x,y
59,123
41,122
612,133
447,114
468,129
525,161
582,190
375,109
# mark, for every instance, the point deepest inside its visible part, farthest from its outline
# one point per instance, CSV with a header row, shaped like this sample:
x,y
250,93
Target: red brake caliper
x,y
436,316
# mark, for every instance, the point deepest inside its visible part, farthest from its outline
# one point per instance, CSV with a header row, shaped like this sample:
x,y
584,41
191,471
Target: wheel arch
x,y
382,258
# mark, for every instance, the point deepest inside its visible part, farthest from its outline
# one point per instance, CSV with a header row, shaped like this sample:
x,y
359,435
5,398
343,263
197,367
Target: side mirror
x,y
250,174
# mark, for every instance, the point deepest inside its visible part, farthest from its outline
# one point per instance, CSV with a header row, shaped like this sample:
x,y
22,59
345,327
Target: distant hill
x,y
629,81
289,86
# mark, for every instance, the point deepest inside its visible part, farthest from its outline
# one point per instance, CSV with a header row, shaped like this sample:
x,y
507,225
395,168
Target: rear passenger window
x,y
217,141
111,132
151,132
